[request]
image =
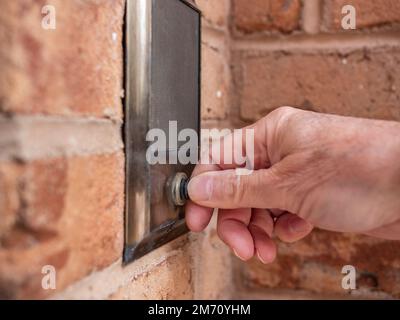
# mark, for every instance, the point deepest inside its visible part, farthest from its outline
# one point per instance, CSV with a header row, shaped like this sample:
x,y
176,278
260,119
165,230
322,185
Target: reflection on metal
x,y
162,85
178,189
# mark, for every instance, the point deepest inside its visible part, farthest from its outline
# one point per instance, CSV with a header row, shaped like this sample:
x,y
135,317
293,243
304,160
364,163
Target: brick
x,y
210,253
171,279
65,212
9,197
178,270
315,263
369,13
254,16
73,70
311,16
185,273
215,13
361,83
215,82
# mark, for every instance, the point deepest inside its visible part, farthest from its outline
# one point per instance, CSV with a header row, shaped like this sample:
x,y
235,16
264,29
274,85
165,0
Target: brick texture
x,y
65,212
350,74
254,16
191,266
199,267
361,83
66,209
73,70
171,279
215,13
369,13
315,265
215,82
213,266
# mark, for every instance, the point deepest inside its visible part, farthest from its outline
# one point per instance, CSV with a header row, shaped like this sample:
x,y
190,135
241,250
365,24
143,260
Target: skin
x,y
311,170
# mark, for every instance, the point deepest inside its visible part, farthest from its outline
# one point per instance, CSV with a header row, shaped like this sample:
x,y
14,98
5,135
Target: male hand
x,y
335,173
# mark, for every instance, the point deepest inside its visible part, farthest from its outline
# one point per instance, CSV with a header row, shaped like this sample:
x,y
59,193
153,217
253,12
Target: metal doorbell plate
x,y
163,45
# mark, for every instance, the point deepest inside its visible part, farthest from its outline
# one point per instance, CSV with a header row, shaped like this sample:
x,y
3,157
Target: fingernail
x,y
298,225
237,255
200,188
260,258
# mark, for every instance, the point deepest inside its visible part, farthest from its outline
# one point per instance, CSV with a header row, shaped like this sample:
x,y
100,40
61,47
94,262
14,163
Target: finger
x,y
232,229
228,190
389,232
290,227
276,212
261,227
197,217
232,150
257,142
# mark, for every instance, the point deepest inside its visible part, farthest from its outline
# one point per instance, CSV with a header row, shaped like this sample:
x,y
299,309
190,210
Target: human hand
x,y
335,173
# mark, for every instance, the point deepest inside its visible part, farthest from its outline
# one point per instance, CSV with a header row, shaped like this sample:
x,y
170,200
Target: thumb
x,y
228,190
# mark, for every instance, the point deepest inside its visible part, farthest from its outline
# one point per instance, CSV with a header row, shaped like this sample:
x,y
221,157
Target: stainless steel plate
x,y
162,85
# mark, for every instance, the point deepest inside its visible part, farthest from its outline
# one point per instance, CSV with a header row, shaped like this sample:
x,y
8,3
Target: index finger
x,y
227,152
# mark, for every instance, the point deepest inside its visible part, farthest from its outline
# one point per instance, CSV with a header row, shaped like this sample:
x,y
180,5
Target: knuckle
x,y
231,189
247,190
223,189
284,111
238,190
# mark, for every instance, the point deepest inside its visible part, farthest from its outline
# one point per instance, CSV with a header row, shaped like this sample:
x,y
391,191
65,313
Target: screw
x,y
179,189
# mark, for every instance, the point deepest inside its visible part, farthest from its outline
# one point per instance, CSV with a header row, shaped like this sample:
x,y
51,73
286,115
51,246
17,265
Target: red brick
x,y
369,13
64,212
212,254
253,16
73,70
9,197
171,279
361,83
215,82
215,13
315,263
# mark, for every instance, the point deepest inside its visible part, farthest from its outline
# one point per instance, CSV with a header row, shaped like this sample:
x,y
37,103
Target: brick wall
x,y
62,154
296,53
62,159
